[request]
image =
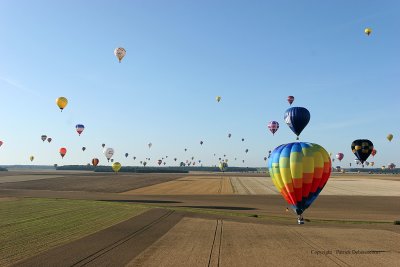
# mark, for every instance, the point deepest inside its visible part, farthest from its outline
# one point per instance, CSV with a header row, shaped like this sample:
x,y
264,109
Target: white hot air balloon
x,y
109,152
120,52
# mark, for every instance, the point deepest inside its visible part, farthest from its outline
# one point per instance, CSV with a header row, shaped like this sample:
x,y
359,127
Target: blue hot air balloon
x,y
297,119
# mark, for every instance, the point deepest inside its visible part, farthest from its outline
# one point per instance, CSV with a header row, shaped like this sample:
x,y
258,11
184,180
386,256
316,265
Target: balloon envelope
x,y
218,98
79,128
109,152
31,158
273,126
368,31
362,148
222,166
297,119
116,166
290,99
63,151
120,52
95,161
300,171
340,156
61,102
389,137
49,139
43,137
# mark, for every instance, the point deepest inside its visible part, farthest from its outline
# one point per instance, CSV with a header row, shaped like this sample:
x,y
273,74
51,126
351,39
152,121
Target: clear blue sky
x,y
180,56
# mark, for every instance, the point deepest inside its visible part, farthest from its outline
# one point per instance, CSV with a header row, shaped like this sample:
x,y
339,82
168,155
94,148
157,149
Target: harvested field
x,y
26,177
202,242
91,182
201,185
214,185
30,226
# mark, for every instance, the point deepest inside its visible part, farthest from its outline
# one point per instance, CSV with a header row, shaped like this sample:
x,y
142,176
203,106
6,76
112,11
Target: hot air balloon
x,y
273,126
242,139
79,128
290,99
218,98
383,167
31,158
192,158
141,162
95,161
362,148
49,140
126,155
1,143
373,153
103,145
109,152
175,159
222,166
120,52
229,135
61,102
300,171
164,163
144,163
185,149
159,162
246,150
43,137
83,148
367,31
149,145
201,142
243,161
63,151
340,156
389,137
112,160
391,166
297,119
134,158
116,166
265,158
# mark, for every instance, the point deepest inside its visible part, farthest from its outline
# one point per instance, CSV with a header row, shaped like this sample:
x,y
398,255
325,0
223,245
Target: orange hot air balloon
x,y
63,151
95,161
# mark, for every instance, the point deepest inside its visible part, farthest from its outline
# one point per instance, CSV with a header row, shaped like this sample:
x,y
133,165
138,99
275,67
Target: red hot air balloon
x,y
373,153
290,99
1,143
63,151
95,161
340,156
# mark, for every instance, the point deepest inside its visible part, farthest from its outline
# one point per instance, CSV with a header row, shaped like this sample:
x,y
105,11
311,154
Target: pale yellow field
x,y
242,185
204,242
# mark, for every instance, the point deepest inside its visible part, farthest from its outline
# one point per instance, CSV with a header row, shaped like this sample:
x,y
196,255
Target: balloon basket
x,y
300,219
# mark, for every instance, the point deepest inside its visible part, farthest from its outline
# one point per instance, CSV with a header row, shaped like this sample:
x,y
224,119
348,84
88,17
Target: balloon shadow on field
x,y
150,201
218,207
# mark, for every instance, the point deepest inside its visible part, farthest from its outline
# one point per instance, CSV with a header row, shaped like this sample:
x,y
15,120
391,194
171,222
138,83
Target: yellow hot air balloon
x,y
31,158
389,137
218,98
116,166
61,102
368,31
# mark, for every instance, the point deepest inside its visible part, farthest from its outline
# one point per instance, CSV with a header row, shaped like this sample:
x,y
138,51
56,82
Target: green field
x,y
29,226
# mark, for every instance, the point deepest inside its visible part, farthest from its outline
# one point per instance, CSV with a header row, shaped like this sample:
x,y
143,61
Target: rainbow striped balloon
x,y
299,171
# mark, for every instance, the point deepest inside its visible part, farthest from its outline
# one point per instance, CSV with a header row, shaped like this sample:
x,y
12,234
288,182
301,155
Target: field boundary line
x,y
123,240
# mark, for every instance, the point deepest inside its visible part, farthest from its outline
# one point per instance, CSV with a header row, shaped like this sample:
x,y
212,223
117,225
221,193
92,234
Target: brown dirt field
x,y
202,242
91,182
199,185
